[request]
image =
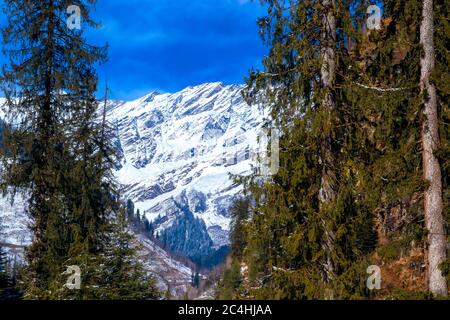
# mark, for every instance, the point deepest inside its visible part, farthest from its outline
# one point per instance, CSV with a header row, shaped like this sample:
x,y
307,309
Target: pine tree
x,y
126,274
138,216
433,202
4,278
303,236
390,93
8,289
58,152
8,284
230,282
130,210
348,106
240,211
196,280
147,227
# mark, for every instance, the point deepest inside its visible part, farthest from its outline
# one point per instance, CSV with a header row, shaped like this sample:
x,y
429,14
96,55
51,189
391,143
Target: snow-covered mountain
x,y
170,274
176,153
14,222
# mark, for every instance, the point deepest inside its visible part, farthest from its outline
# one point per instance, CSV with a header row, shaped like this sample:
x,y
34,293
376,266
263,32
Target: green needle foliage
x,y
4,278
57,152
367,147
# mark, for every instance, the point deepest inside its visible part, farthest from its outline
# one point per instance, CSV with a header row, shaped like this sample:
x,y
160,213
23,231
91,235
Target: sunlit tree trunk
x,y
327,192
431,168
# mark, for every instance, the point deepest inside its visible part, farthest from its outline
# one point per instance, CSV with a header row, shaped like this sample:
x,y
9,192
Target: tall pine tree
x,y
348,103
58,153
309,232
4,278
433,202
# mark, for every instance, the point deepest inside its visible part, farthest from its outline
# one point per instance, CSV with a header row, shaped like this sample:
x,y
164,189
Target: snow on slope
x,y
179,149
14,222
170,274
176,153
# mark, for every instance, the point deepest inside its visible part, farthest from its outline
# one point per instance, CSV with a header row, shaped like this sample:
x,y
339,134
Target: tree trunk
x,y
327,192
431,169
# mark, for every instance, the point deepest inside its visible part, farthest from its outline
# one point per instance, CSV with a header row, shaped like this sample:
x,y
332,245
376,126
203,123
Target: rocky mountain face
x,y
177,152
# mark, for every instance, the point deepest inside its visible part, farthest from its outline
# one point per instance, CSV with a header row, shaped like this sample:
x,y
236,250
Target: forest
x,y
363,181
358,208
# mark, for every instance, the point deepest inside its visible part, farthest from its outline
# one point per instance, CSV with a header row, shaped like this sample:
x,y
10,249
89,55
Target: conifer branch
x,y
381,89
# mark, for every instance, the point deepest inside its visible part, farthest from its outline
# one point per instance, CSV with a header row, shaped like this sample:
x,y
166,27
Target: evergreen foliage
x,y
240,211
59,155
130,210
8,283
4,278
366,148
230,284
195,280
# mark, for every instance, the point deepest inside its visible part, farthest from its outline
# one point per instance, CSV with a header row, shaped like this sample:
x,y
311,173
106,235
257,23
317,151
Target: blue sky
x,y
168,45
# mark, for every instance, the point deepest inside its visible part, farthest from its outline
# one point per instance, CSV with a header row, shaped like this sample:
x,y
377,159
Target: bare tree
x,y
327,192
431,168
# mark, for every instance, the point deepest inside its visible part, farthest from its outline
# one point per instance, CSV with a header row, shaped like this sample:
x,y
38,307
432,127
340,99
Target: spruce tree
x,y
390,103
196,280
4,278
350,148
304,234
58,152
229,285
433,202
126,277
240,211
130,210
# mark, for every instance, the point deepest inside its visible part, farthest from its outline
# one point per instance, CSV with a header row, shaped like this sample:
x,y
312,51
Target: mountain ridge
x,y
176,152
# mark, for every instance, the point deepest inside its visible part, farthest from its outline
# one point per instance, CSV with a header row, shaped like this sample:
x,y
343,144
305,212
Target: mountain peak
x,y
150,96
186,143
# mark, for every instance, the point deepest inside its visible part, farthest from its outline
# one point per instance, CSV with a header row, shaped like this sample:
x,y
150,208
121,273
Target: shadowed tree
x,y
58,150
433,202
